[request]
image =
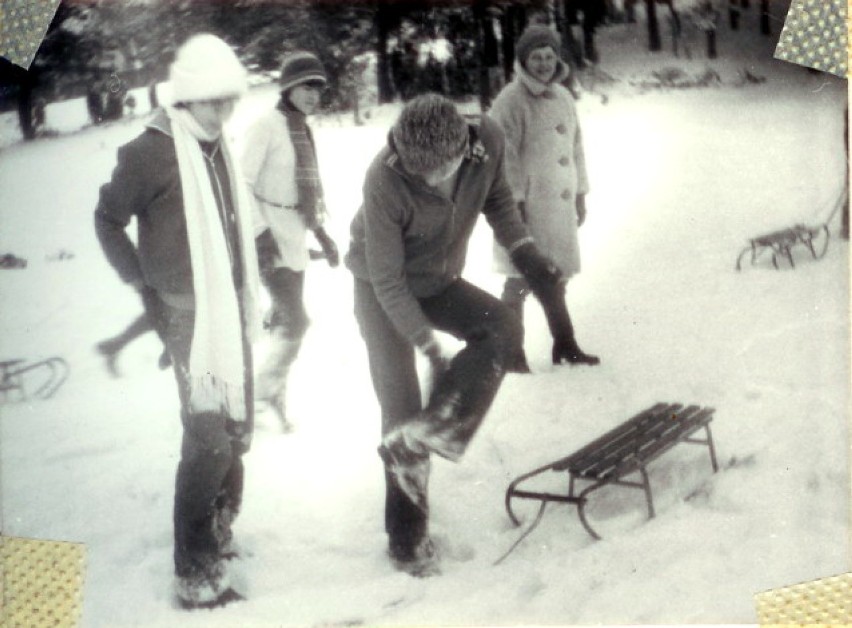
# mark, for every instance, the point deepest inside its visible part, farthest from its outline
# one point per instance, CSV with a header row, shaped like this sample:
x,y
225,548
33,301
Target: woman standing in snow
x,y
545,167
280,166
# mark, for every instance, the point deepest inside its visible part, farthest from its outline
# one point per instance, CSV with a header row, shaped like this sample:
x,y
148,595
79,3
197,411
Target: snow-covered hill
x,y
681,179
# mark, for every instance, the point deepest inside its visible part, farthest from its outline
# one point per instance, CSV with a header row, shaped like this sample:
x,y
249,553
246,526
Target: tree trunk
x,y
487,47
734,14
654,42
383,22
590,23
25,111
630,11
570,45
711,44
765,27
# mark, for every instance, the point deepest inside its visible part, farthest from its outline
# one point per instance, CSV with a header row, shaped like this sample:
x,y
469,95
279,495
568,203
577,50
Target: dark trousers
x,y
286,288
492,335
210,472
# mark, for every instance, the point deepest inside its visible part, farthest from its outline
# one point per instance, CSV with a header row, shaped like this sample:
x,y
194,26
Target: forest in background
x,y
374,50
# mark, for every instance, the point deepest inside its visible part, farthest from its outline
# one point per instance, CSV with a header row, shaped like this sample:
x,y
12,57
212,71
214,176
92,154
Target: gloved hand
x,y
329,248
541,273
438,355
267,251
581,209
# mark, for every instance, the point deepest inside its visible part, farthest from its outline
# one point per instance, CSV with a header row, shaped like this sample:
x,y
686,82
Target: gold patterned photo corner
x,y
827,601
815,35
23,24
42,582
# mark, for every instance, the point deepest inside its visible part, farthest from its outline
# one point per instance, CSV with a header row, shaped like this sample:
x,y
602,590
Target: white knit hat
x,y
206,68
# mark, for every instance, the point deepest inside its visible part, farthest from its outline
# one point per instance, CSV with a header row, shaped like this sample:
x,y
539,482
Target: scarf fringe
x,y
211,394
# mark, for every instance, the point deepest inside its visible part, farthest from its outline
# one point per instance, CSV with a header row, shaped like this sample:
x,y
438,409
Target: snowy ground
x,y
680,180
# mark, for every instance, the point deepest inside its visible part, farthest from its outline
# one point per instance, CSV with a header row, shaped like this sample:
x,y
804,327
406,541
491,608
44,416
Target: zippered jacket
x,y
410,241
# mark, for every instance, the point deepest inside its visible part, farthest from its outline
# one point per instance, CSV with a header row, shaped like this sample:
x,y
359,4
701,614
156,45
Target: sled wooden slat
x,y
621,452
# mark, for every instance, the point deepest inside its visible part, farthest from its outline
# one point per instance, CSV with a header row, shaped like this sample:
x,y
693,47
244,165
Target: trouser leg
x,y
515,291
210,472
394,376
463,395
288,324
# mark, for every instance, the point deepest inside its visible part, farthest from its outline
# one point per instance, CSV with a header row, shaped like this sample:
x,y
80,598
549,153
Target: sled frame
x,y
13,372
780,244
624,451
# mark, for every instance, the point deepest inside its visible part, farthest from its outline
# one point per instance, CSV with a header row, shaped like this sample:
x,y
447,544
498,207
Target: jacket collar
x,y
160,122
533,85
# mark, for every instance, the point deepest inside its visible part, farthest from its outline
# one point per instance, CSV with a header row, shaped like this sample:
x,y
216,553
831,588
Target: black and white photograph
x,y
425,312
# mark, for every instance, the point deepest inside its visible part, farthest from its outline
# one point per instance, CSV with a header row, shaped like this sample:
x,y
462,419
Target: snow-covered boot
x,y
421,562
409,467
206,588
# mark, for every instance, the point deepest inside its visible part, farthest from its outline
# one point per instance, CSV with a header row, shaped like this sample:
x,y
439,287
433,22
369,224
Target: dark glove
x,y
267,251
581,209
329,248
541,273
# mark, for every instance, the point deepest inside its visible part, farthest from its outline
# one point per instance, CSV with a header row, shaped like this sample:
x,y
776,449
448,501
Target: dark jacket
x,y
146,184
409,241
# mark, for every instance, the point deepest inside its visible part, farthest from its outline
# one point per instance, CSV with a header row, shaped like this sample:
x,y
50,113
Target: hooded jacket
x,y
410,241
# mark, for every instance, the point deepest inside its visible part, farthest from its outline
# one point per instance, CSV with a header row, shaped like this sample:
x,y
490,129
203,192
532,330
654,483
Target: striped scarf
x,y
308,185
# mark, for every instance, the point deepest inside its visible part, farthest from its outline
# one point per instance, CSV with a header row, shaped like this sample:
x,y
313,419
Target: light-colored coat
x,y
269,167
545,164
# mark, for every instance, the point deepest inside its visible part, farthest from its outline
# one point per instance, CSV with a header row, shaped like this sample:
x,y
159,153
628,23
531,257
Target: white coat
x,y
545,164
269,167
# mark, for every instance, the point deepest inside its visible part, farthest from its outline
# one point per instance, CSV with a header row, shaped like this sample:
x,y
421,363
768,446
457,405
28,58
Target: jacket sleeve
x,y
385,255
253,158
509,116
500,208
125,196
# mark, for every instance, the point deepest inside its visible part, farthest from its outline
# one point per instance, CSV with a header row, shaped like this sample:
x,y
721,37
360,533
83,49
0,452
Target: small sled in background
x,y
21,380
780,243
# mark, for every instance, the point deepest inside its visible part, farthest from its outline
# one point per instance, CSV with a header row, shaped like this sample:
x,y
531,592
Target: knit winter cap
x,y
301,67
206,68
536,36
429,133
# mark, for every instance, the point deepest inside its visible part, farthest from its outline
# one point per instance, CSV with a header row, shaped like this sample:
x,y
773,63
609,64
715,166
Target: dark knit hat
x,y
429,132
536,36
301,67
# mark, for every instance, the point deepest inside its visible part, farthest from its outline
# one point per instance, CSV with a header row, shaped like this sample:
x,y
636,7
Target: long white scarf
x,y
217,370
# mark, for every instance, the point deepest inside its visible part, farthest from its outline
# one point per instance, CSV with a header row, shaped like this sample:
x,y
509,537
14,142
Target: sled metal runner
x,y
622,452
780,243
17,377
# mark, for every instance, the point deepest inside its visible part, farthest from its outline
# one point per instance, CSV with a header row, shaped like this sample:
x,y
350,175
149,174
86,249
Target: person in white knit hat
x,y
195,267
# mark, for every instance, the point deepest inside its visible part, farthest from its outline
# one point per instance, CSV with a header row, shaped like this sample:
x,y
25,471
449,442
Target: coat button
x,y
561,129
566,195
564,161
